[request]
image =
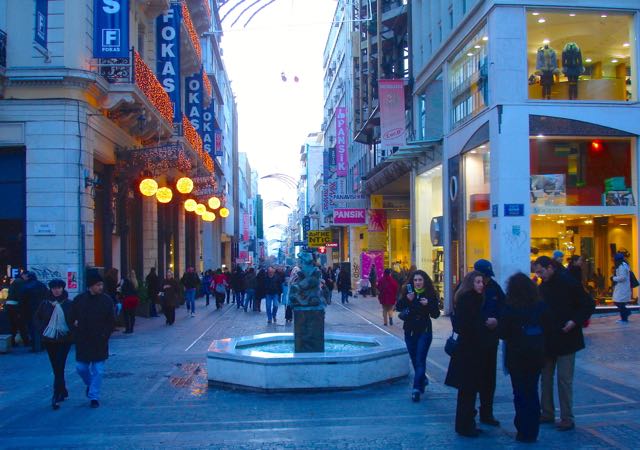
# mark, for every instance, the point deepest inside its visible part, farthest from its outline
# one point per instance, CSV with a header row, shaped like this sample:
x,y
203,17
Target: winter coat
x,y
250,280
467,364
547,60
94,319
237,281
130,302
567,300
153,284
45,310
344,281
273,285
419,318
32,293
388,290
171,294
494,300
190,280
622,288
572,60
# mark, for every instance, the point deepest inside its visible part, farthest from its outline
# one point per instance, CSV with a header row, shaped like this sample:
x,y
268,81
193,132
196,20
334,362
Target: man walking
x,y
190,281
93,318
570,306
272,291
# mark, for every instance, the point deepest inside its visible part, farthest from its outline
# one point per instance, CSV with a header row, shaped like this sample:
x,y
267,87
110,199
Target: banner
x,y
42,20
218,143
342,156
392,114
349,216
326,169
111,28
193,100
372,259
208,136
168,56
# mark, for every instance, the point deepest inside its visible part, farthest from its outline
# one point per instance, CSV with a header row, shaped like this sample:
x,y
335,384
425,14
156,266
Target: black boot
x,y
54,402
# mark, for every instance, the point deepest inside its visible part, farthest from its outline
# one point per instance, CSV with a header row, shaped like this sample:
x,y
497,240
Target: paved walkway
x,y
155,395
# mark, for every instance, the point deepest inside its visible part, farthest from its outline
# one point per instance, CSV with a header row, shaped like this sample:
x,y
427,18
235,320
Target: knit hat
x,y
57,283
618,257
93,277
558,254
484,267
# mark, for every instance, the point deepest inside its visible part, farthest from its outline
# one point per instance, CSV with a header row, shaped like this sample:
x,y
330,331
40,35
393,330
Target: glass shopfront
x,y
429,225
477,204
580,55
583,204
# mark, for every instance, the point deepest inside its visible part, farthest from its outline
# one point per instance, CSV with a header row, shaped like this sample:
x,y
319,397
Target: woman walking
x,y
219,287
522,326
130,300
622,287
54,317
466,364
170,297
419,305
387,295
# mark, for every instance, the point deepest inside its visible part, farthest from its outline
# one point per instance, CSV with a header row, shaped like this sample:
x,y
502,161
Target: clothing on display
x,y
572,67
547,67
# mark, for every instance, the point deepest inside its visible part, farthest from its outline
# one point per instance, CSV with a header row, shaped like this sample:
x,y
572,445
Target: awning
x,y
415,150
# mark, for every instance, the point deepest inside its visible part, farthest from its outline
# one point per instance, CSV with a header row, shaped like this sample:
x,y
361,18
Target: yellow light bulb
x,y
224,212
201,209
214,203
190,205
164,195
148,187
184,185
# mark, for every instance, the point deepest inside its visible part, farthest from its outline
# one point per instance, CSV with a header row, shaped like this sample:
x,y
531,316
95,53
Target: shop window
x,y
477,204
581,172
580,55
468,79
590,240
429,225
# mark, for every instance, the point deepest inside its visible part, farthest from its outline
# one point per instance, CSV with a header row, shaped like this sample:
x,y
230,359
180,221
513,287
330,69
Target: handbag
x,y
451,344
220,289
403,314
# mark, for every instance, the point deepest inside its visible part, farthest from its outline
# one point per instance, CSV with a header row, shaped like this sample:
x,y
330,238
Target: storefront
x,y
12,213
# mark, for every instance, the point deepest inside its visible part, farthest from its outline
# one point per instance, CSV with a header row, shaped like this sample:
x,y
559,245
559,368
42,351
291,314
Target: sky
x,y
275,117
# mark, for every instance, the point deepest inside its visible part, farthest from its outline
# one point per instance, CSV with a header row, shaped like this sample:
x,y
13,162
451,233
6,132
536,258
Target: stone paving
x,y
155,395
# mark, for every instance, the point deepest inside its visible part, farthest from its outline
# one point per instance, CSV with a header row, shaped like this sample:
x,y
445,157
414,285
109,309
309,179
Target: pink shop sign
x,y
350,216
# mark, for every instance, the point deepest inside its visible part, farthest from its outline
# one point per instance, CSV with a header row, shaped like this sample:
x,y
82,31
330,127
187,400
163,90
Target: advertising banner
x,y
342,155
42,20
392,114
193,100
326,168
208,134
111,28
218,142
372,259
349,216
377,220
168,56
318,238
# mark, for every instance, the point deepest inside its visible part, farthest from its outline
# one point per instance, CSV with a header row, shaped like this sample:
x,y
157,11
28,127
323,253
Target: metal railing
x,y
3,49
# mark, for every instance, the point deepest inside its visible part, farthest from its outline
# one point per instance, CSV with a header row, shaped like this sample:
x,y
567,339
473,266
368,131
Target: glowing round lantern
x,y
148,187
184,185
190,205
164,195
208,216
201,209
224,212
214,203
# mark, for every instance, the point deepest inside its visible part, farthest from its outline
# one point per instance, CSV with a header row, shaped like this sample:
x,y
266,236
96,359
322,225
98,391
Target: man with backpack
x,y
569,307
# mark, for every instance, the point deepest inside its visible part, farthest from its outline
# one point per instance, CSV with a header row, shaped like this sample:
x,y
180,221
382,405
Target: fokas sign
x,y
350,216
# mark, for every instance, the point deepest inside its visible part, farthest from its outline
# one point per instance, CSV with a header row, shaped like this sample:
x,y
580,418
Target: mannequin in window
x,y
547,67
572,67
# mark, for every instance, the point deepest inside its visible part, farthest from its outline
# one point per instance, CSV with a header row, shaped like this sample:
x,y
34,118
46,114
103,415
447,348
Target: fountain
x,y
309,358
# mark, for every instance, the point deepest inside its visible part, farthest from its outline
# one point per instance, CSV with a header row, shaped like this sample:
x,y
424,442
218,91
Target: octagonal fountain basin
x,y
267,362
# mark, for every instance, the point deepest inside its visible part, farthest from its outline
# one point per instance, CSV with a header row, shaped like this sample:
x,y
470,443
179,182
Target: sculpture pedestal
x,y
308,326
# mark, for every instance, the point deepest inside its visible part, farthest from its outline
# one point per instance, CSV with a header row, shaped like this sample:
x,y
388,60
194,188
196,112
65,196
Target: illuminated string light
x,y
195,141
207,8
200,209
224,212
195,40
208,216
184,185
207,84
151,88
148,187
190,205
214,203
164,195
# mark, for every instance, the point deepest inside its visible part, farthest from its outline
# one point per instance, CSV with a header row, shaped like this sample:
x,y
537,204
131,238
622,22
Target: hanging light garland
x,y
207,84
184,185
214,203
150,86
164,195
148,187
190,205
201,209
224,212
195,40
208,216
195,141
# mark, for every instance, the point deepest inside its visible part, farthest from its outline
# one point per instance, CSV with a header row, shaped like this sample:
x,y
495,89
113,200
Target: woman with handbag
x,y
219,287
466,364
417,307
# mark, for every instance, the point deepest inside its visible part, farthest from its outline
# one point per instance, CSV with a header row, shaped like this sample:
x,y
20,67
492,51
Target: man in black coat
x,y
494,300
570,306
94,319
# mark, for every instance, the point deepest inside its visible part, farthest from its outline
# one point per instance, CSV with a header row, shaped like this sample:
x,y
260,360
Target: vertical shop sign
x,y
168,56
193,100
111,28
217,137
208,136
246,222
42,20
392,114
326,173
342,157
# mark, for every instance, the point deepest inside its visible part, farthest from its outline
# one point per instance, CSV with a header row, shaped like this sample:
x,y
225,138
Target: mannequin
x,y
547,67
572,67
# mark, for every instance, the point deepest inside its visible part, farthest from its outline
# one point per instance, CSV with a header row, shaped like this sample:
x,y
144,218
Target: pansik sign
x,y
168,54
392,120
349,216
342,157
111,28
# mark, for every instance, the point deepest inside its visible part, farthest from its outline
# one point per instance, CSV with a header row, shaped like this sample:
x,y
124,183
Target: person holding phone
x,y
418,306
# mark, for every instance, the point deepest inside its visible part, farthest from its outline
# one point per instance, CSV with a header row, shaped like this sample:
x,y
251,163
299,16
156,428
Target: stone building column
x,y
149,234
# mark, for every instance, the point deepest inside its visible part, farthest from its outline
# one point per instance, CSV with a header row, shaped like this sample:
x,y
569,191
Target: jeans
x,y
153,312
624,312
418,346
565,365
58,352
207,294
238,298
91,373
190,298
526,403
248,298
272,306
344,296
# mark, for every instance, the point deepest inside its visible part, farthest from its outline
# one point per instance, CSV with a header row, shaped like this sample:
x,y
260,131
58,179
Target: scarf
x,y
57,326
419,291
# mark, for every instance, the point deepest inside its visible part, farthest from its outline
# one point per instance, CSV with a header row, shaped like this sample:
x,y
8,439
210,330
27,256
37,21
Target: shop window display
x,y
580,55
477,204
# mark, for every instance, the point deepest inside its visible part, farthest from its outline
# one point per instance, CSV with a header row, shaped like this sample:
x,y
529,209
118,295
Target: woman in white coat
x,y
622,287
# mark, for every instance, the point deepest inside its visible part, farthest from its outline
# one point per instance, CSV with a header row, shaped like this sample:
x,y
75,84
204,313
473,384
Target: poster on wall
x,y
72,279
377,220
370,259
548,190
111,29
392,113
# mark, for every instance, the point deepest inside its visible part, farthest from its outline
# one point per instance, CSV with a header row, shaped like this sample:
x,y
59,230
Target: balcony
x,y
153,8
201,14
189,44
191,137
136,100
